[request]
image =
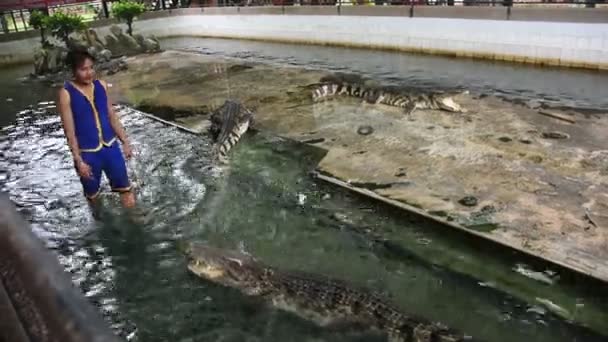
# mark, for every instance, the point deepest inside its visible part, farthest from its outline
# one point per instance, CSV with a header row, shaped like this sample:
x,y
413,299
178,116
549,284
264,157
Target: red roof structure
x,y
7,5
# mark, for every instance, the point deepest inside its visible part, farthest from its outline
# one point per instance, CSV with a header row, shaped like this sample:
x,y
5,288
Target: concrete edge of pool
x,y
421,213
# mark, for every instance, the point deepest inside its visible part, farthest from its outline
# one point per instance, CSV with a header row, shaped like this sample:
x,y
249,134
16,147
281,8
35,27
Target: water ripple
x,y
37,172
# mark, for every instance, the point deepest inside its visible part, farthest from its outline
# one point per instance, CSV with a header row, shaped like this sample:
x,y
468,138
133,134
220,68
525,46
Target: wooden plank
x,y
556,116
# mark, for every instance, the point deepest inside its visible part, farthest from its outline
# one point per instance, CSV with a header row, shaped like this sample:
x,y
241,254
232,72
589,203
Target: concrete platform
x,y
534,181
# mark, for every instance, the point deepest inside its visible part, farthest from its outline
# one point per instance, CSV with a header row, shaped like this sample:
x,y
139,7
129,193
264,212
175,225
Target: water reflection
x,y
265,203
553,86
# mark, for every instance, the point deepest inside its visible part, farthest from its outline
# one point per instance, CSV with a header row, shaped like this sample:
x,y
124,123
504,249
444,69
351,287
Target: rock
x,y
122,45
139,38
153,37
77,43
105,55
111,43
150,45
401,172
114,66
128,44
365,130
555,135
49,59
468,201
488,209
93,51
40,62
525,141
116,30
92,39
533,104
56,59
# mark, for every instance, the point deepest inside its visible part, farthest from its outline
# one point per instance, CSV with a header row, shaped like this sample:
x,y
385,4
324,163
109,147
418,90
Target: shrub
x,y
38,20
62,25
127,10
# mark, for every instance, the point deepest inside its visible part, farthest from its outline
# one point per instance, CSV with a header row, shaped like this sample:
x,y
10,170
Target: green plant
x,y
127,10
62,25
38,20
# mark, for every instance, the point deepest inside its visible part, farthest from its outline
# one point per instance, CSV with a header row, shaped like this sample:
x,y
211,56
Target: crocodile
x,y
228,124
330,86
322,300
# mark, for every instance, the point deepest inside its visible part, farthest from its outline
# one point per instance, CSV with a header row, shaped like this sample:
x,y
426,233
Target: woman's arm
x,y
67,120
114,119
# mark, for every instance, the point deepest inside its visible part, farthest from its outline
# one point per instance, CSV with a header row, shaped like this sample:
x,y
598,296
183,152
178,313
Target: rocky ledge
x,y
49,59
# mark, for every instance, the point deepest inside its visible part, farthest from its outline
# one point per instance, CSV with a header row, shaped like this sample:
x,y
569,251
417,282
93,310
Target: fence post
x,y
25,25
14,21
3,22
104,4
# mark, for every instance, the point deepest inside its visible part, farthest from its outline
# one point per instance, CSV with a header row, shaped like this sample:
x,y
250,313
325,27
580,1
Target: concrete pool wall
x,y
568,37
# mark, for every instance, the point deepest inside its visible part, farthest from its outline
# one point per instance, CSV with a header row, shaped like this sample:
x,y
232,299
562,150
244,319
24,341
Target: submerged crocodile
x,y
330,86
322,300
228,124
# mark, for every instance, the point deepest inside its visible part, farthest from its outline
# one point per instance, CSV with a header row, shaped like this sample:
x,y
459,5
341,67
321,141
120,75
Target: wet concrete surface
x,y
532,181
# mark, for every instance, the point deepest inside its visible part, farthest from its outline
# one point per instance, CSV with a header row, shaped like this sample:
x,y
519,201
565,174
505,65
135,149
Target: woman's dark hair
x,y
75,58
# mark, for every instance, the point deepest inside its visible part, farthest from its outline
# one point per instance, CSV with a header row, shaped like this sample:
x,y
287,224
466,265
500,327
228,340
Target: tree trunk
x,y
130,28
66,40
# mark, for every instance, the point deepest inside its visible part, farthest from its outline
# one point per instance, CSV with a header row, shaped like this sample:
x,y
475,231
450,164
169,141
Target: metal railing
x,y
511,3
37,299
17,20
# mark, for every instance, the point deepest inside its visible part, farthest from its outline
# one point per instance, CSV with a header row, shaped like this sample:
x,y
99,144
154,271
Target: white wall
x,y
553,42
18,51
559,43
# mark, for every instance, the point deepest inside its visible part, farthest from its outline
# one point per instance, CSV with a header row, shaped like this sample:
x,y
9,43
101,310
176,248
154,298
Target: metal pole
x,y
23,20
3,22
14,22
104,4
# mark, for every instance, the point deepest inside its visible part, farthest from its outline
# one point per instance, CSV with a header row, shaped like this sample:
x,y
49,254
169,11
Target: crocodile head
x,y
228,123
446,102
224,267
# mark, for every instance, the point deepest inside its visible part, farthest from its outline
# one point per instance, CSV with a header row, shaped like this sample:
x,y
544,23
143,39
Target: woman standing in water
x,y
92,129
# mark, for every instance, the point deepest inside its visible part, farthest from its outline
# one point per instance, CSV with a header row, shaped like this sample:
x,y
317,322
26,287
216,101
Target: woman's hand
x,y
127,150
84,170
